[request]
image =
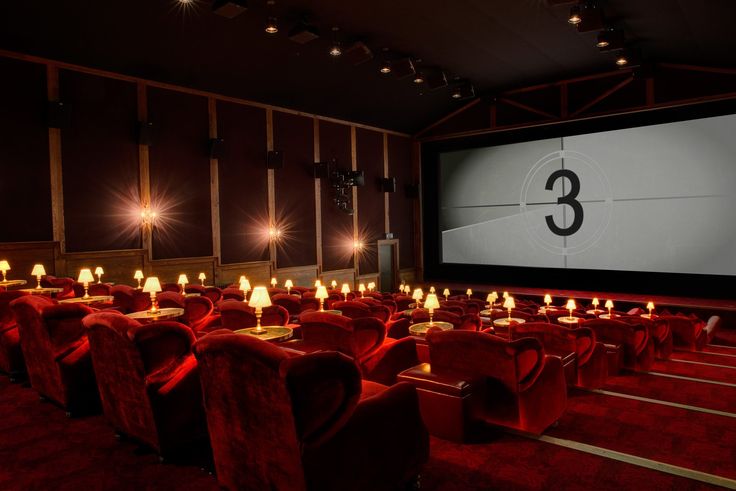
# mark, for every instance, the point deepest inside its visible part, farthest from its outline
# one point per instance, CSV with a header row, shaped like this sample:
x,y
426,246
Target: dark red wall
x,y
25,189
294,186
100,163
243,183
369,148
401,208
180,174
337,226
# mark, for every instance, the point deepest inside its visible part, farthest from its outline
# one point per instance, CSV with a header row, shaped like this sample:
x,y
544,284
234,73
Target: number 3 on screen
x,y
567,199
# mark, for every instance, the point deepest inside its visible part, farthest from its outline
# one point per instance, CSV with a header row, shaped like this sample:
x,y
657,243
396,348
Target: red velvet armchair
x,y
380,358
66,284
690,332
213,293
232,294
194,288
307,422
636,350
122,297
56,352
148,380
356,309
197,312
291,303
658,329
11,356
168,299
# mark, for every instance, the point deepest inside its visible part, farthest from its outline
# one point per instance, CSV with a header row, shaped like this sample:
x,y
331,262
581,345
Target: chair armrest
x,y
391,359
162,346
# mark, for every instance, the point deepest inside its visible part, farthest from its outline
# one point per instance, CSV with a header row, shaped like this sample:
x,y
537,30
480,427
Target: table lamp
x,y
38,271
85,277
152,286
650,307
274,282
317,284
401,287
183,281
259,299
333,284
99,272
345,290
202,277
407,289
417,296
361,289
571,306
469,293
595,303
321,294
371,286
492,297
548,300
505,295
430,304
4,267
245,286
138,275
609,306
446,293
288,284
431,289
509,304
495,297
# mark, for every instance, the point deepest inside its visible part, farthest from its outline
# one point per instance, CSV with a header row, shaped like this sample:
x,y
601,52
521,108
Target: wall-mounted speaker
x,y
58,114
275,159
358,53
358,177
411,191
145,133
216,147
388,184
321,170
229,8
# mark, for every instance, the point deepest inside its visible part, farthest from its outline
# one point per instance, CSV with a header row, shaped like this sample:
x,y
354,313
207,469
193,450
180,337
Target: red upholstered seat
x,y
299,289
232,294
148,380
453,306
403,302
11,355
197,312
171,287
590,356
276,291
123,297
517,385
213,293
99,289
66,284
56,351
465,322
364,339
141,301
170,300
658,329
690,332
295,423
368,300
309,303
194,288
291,303
638,347
239,315
356,309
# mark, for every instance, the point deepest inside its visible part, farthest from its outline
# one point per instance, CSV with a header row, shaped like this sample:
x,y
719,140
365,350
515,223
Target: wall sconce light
x,y
148,217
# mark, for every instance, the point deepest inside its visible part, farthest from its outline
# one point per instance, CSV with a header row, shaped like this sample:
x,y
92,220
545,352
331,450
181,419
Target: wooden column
x,y
271,183
144,175
356,229
214,189
318,200
57,184
386,215
418,243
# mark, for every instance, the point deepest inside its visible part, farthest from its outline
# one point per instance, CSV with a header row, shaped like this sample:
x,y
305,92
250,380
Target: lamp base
x,y
259,333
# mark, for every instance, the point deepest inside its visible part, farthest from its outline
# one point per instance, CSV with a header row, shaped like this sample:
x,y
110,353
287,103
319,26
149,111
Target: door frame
x,y
395,250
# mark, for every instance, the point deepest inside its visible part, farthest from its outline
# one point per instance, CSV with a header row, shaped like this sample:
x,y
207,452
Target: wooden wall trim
x,y
144,174
386,200
271,189
214,183
55,169
161,85
418,242
354,190
318,200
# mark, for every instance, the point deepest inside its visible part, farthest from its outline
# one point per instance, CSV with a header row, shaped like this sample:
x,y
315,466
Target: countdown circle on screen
x,y
567,202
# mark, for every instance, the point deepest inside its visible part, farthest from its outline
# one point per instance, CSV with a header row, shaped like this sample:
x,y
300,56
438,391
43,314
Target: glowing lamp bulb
x,y
570,306
202,277
289,285
274,283
432,290
321,294
345,290
371,286
609,306
183,281
152,286
548,299
258,300
333,284
99,272
431,304
417,296
509,304
469,293
138,275
317,284
595,303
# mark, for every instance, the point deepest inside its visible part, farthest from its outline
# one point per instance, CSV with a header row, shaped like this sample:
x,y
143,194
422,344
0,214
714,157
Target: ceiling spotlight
x,y
385,67
335,49
418,78
622,60
462,89
272,26
575,17
603,41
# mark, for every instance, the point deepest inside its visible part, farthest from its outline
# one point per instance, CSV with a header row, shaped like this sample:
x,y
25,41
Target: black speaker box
x,y
358,53
358,178
229,8
58,114
145,133
275,159
216,146
388,184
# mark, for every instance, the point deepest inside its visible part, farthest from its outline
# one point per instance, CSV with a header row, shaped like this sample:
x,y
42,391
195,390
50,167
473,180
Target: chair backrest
x,y
359,338
275,291
232,294
309,303
455,305
99,289
685,329
465,322
170,300
7,317
194,288
368,300
122,297
213,293
66,284
403,302
634,336
263,406
197,310
453,309
291,303
552,336
516,364
141,301
389,302
352,309
299,289
171,287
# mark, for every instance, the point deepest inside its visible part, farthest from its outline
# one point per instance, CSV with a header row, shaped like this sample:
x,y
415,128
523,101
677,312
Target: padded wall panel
x,y
100,163
401,208
370,197
243,183
25,188
180,174
294,185
337,226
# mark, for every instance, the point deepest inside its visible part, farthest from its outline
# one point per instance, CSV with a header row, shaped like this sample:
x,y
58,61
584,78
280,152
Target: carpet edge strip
x,y
661,402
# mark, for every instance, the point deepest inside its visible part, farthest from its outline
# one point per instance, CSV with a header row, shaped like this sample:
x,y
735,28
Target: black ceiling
x,y
498,44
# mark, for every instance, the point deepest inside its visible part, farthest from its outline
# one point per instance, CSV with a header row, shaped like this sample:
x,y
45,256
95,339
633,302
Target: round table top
x,y
420,328
594,311
193,294
88,300
13,282
505,321
606,316
408,312
269,333
332,311
158,315
569,320
488,312
551,308
649,316
42,290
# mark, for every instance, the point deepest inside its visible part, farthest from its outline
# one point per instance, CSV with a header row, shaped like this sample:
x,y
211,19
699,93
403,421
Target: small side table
x,y
569,320
506,322
330,311
421,328
91,299
594,311
273,334
42,291
10,283
158,315
649,316
607,317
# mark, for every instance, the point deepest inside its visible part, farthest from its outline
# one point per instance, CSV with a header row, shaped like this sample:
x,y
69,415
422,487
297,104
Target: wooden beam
x,y
530,109
318,201
696,68
564,101
57,183
144,176
386,200
650,97
354,167
271,189
449,116
604,95
214,187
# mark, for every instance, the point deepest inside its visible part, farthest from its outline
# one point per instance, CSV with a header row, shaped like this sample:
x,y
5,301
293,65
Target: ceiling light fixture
x,y
419,78
462,89
575,17
622,60
335,49
385,63
272,26
603,40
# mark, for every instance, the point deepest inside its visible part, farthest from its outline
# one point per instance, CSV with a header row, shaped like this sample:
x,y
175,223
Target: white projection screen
x,y
656,198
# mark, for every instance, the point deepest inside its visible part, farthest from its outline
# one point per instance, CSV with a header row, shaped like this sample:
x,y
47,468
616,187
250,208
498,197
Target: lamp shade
x,y
490,298
446,292
505,295
431,289
38,270
407,289
609,304
99,270
345,289
85,276
468,292
138,275
650,306
289,284
4,266
571,305
595,302
202,276
333,284
361,288
418,294
548,299
183,280
321,292
152,285
317,284
371,285
509,303
274,282
431,302
244,284
259,297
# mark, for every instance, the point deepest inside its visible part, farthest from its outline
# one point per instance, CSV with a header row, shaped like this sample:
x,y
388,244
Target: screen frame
x,y
680,284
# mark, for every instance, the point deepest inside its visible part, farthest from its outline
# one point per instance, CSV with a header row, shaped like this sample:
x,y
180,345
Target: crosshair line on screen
x,y
587,201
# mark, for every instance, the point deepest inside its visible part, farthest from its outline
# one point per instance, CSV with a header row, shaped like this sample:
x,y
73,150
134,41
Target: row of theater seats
x,y
335,408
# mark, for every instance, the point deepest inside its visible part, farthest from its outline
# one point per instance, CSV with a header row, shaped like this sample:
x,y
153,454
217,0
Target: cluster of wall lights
x,y
587,16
